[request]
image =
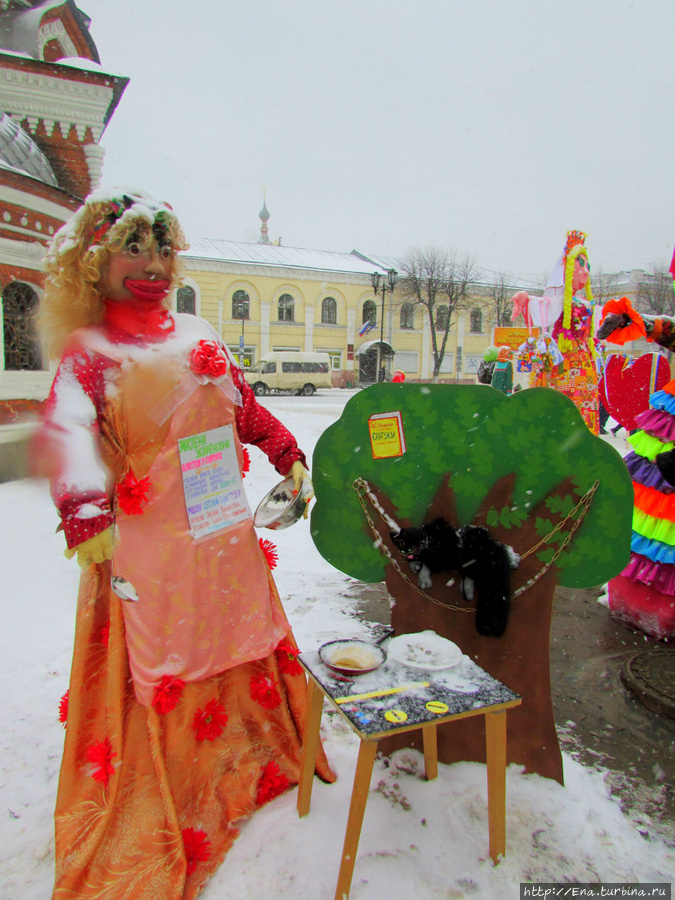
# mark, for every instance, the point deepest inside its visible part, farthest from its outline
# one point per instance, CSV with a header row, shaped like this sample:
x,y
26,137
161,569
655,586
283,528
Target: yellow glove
x,y
303,484
95,549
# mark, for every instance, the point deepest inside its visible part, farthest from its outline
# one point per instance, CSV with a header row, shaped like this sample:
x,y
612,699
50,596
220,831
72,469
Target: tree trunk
x,y
519,658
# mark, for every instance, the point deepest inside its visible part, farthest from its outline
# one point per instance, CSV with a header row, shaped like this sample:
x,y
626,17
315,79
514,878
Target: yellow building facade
x,y
262,297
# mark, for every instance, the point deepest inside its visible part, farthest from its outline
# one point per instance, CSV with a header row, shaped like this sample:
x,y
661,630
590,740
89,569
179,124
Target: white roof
x,y
276,256
19,151
363,348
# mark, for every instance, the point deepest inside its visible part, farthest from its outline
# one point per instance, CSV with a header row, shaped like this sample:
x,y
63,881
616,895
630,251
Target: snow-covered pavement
x,y
420,839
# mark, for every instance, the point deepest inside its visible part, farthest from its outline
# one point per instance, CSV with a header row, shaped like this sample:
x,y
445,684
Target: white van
x,y
287,370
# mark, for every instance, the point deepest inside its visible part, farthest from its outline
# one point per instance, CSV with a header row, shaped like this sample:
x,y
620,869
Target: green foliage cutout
x,y
479,435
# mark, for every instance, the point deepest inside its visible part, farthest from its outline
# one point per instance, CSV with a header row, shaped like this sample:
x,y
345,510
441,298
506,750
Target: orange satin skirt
x,y
150,796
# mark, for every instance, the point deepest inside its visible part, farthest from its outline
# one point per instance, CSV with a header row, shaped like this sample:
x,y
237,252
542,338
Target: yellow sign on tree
x,y
386,435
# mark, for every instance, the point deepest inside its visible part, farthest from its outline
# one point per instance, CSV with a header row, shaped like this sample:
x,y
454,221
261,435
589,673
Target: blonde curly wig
x,y
80,251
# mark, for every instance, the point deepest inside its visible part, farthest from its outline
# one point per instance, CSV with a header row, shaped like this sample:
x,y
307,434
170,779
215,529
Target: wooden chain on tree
x,y
362,487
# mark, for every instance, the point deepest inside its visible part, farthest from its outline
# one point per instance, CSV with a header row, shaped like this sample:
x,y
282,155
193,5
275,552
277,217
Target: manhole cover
x,y
650,675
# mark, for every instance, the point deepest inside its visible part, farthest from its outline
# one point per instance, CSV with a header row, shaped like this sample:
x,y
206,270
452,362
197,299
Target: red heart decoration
x,y
625,386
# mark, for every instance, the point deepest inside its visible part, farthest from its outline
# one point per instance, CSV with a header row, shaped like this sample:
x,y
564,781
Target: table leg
x,y
357,807
430,751
310,746
495,741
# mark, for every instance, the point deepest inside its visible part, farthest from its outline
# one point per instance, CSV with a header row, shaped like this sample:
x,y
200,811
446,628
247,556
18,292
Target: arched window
x,y
185,300
407,316
19,305
328,311
241,305
476,320
369,312
286,308
442,317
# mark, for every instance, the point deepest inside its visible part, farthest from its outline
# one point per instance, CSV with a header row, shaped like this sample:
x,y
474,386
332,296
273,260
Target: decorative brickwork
x,y
64,110
63,33
19,273
13,412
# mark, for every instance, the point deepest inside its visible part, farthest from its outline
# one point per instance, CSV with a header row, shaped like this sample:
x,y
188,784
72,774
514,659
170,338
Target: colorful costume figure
x,y
502,376
644,593
185,708
565,318
539,356
487,365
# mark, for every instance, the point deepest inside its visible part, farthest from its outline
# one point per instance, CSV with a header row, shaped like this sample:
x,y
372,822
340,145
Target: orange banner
x,y
512,337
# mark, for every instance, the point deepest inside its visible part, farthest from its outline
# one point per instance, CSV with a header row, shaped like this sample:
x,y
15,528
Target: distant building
x,y
263,296
52,117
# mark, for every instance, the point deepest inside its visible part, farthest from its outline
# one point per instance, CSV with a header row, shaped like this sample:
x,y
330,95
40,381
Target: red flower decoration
x,y
197,848
246,464
167,694
63,709
264,690
287,658
131,494
270,551
272,783
99,234
208,358
100,755
634,330
209,723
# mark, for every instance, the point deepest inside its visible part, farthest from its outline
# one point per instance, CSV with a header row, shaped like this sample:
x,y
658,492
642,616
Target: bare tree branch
x,y
498,303
655,292
439,282
605,287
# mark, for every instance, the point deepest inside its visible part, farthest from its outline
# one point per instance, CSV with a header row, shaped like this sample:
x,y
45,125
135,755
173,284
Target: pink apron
x,y
204,605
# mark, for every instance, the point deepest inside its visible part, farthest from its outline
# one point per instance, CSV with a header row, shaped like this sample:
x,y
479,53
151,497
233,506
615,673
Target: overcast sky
x,y
490,127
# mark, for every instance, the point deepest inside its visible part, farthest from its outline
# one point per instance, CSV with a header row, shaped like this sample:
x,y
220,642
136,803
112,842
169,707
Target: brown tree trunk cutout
x,y
519,658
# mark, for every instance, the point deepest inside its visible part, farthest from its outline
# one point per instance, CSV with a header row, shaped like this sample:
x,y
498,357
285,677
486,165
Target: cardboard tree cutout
x,y
527,468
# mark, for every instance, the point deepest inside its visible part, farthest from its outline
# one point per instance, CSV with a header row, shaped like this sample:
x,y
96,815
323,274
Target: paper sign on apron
x,y
214,492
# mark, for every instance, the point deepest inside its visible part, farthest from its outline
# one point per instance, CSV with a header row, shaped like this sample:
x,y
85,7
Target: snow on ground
x,y
420,839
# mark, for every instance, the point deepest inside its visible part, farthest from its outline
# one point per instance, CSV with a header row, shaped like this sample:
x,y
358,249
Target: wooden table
x,y
396,698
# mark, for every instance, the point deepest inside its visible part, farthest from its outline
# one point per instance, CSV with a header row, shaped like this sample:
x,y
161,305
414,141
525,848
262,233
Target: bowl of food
x,y
352,656
281,507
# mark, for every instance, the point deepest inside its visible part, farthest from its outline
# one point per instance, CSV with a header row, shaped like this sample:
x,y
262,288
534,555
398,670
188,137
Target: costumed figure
x,y
643,595
565,316
502,376
186,701
527,352
538,356
487,365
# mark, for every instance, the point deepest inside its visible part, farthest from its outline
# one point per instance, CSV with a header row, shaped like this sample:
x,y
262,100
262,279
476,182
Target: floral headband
x,y
117,210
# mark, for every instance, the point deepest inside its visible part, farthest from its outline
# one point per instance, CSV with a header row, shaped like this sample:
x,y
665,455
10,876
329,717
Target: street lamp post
x,y
240,303
375,278
241,342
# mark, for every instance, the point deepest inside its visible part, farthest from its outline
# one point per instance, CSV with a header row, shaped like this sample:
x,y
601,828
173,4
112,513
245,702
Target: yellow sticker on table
x,y
395,715
436,707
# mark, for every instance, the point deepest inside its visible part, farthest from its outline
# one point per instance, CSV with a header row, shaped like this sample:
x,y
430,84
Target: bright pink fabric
x,y
207,600
91,365
642,607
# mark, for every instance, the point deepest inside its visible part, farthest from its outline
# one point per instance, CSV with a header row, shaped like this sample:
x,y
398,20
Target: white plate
x,y
424,650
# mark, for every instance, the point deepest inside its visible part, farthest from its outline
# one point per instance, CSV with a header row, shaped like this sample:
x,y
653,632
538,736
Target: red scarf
x,y
145,320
